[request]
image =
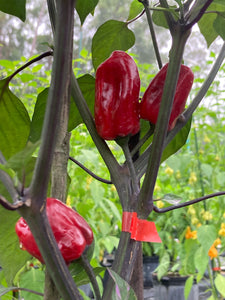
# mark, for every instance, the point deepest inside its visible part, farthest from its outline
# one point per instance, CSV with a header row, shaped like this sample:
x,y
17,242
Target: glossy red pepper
x,y
71,231
117,97
149,106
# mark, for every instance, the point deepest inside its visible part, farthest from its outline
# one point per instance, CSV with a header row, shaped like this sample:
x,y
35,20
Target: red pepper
x,y
71,231
149,106
117,97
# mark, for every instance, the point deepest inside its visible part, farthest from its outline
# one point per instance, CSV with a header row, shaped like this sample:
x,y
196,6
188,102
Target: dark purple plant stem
x,y
163,210
152,32
89,171
30,62
35,214
145,202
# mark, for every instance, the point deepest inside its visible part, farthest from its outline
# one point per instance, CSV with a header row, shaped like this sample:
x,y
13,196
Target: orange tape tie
x,y
141,230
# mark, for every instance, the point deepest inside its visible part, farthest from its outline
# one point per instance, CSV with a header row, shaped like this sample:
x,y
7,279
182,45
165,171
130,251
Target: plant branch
x,y
36,215
6,204
152,32
24,289
89,171
30,62
89,270
143,140
169,17
146,195
196,12
7,181
163,210
59,86
136,18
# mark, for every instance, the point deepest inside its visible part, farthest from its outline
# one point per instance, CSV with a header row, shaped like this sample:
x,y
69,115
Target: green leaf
x,y
12,258
33,280
206,236
158,16
87,86
14,7
84,7
220,284
22,163
38,116
206,23
136,8
207,170
188,265
196,9
110,36
163,267
219,25
122,290
172,199
20,159
221,2
177,142
15,122
188,286
201,260
82,278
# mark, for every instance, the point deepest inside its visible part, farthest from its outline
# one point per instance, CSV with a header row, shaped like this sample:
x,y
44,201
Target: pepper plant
x,y
68,102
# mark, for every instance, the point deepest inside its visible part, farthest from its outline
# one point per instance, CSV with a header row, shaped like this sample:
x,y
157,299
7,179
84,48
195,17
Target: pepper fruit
x,y
71,231
149,106
117,97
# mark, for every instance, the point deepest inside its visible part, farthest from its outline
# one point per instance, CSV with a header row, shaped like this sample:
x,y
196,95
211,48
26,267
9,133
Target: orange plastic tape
x,y
141,230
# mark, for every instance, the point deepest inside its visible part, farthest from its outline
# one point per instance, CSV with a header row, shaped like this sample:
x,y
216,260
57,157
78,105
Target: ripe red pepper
x,y
117,97
71,231
149,106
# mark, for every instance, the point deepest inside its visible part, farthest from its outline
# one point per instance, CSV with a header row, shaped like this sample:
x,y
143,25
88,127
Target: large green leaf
x,y
14,7
206,236
206,24
84,7
14,122
87,86
12,258
177,142
110,36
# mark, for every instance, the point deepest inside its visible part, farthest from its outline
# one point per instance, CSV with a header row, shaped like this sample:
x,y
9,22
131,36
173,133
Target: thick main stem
x,y
35,215
145,204
61,72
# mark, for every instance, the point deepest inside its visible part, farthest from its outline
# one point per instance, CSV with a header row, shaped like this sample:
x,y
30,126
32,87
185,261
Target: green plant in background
x,y
36,160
